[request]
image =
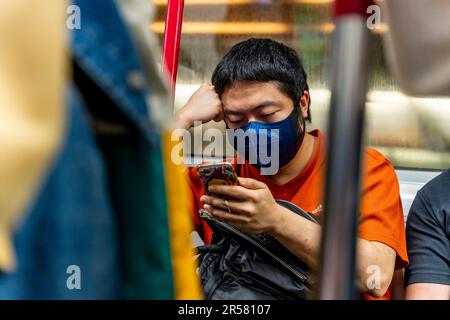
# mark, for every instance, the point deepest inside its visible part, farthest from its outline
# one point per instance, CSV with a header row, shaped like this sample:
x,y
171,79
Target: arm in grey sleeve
x,y
428,245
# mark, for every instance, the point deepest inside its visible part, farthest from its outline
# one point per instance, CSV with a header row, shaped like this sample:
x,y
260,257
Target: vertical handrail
x,y
171,39
348,95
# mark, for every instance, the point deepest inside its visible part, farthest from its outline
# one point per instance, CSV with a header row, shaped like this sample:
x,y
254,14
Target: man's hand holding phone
x,y
247,205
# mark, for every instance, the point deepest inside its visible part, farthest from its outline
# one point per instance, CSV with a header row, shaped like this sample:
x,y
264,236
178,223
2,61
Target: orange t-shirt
x,y
381,213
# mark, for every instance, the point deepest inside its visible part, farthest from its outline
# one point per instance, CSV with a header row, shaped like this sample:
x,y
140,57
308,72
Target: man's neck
x,y
298,164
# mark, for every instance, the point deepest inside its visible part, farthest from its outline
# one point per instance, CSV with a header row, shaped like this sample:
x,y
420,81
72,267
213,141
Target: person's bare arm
x,y
375,260
427,291
427,274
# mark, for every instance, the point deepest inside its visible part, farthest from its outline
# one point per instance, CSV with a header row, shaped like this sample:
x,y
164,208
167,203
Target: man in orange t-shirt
x,y
260,85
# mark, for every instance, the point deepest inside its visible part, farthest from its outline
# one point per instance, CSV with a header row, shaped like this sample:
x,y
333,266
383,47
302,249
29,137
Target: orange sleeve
x,y
381,217
196,186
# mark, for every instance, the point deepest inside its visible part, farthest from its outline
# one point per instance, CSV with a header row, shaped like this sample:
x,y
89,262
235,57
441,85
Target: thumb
x,y
220,116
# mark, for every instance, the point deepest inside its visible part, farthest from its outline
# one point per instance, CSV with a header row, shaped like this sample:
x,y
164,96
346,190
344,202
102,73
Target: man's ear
x,y
304,103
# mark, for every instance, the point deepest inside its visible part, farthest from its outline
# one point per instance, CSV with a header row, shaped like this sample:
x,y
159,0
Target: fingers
x,y
223,215
220,116
203,106
250,183
205,87
235,206
237,192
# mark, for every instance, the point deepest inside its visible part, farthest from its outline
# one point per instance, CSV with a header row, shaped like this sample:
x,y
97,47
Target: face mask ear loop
x,y
304,127
301,127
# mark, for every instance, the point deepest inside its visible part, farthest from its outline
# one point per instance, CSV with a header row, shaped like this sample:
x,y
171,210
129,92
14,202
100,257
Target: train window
x,y
411,132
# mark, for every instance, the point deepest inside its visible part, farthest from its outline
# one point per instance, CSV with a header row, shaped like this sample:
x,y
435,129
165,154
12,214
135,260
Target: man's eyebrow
x,y
259,106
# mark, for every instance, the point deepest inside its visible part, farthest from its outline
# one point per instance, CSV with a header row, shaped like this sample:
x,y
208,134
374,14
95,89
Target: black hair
x,y
263,60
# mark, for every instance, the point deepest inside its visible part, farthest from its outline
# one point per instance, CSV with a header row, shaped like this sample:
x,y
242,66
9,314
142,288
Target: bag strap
x,y
256,244
296,209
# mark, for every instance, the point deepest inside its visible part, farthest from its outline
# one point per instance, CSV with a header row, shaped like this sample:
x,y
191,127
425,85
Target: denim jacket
x,y
79,220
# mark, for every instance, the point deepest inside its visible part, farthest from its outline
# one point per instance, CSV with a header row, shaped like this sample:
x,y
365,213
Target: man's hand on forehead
x,y
203,106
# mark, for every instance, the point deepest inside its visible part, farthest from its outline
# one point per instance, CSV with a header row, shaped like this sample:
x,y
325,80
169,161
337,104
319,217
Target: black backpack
x,y
238,265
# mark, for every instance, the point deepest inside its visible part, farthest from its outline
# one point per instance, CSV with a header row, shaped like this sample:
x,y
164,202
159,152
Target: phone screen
x,y
218,174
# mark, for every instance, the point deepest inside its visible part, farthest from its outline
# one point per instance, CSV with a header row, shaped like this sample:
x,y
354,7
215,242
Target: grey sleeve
x,y
428,245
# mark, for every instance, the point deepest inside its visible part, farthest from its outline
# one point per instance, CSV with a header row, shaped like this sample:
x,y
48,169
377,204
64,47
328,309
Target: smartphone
x,y
221,173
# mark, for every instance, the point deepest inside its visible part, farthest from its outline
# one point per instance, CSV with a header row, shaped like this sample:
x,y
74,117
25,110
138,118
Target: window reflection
x,y
411,132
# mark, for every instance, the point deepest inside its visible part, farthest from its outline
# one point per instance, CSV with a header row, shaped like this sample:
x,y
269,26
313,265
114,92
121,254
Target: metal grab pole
x,y
348,96
171,39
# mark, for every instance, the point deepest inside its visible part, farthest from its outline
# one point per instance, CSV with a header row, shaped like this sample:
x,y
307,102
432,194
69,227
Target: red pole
x,y
347,7
171,39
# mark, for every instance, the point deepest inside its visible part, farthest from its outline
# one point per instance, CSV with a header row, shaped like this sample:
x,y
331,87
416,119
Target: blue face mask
x,y
269,145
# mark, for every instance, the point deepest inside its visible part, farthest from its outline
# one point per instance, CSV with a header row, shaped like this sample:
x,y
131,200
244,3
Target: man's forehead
x,y
245,96
248,92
